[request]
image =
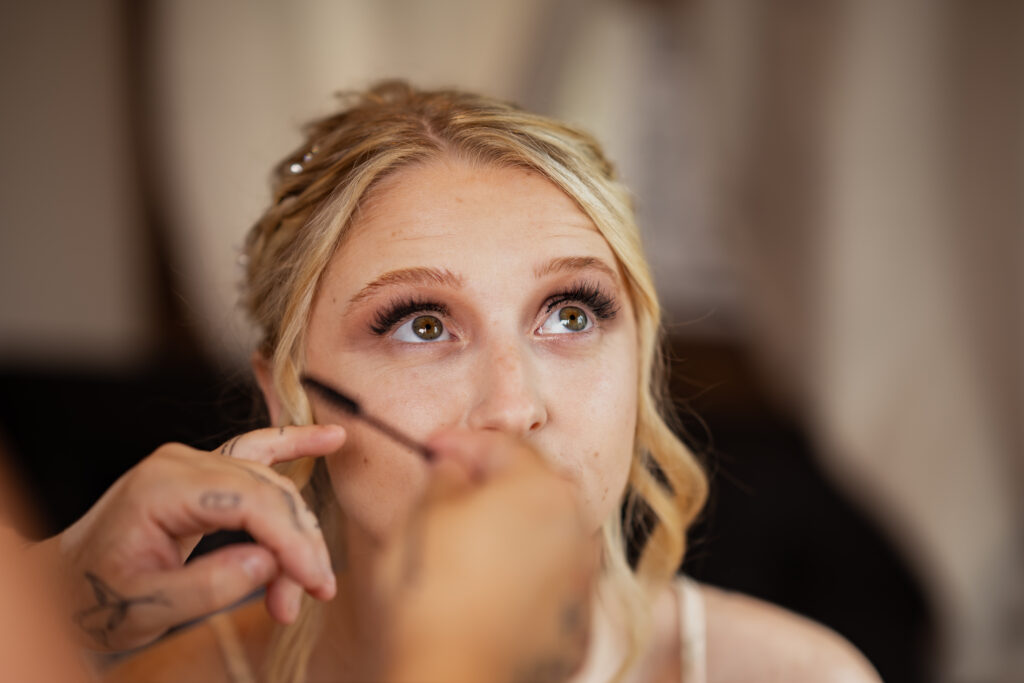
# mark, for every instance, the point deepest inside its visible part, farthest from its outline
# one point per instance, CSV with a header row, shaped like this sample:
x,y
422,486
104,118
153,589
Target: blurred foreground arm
x,y
491,577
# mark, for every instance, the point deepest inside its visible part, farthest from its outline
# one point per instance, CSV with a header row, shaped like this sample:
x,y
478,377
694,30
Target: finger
x,y
284,599
298,511
271,512
209,583
295,505
448,478
281,444
480,454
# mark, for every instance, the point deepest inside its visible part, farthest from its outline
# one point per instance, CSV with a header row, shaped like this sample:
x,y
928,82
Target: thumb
x,y
209,583
448,479
482,454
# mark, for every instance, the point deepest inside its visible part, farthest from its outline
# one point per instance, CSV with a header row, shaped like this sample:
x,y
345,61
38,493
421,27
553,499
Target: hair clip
x,y
297,167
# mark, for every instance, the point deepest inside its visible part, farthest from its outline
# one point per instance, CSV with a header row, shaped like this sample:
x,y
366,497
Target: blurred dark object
x,y
71,434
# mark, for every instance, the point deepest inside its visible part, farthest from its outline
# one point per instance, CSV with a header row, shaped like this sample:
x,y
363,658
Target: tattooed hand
x,y
125,581
491,577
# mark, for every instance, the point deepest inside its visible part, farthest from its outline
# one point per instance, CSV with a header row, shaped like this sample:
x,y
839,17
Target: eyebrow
x,y
443,276
408,276
575,263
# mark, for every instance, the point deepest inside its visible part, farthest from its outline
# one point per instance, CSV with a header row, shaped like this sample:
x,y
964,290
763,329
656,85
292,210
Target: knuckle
x,y
289,486
279,480
265,497
170,450
300,559
167,457
158,463
215,586
279,448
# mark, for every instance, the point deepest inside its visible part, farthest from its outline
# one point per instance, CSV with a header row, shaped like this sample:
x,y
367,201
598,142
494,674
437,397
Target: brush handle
x,y
351,406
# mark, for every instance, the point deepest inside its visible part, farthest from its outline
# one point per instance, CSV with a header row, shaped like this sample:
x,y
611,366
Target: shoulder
x,y
192,654
751,639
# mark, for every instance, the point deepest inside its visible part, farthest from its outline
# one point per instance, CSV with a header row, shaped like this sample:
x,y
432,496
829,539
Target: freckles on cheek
x,y
603,422
419,400
599,471
611,470
595,450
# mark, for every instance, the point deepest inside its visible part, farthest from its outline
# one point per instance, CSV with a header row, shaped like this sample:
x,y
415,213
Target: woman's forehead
x,y
454,214
443,188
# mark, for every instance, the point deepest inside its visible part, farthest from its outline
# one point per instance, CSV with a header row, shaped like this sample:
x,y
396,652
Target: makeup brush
x,y
351,406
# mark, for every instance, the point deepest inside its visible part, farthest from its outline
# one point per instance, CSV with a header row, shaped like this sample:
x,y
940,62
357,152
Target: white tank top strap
x,y
693,631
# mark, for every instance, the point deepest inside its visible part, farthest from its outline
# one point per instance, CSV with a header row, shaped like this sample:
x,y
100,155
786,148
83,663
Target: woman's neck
x,y
350,623
345,639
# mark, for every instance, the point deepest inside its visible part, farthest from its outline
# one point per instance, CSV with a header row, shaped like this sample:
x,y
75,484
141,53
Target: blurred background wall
x,y
831,198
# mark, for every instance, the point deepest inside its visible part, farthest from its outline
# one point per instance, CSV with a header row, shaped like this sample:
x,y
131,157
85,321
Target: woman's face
x,y
481,297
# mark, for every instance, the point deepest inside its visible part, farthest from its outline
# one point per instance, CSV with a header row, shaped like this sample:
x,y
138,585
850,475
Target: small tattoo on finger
x,y
286,495
229,446
220,500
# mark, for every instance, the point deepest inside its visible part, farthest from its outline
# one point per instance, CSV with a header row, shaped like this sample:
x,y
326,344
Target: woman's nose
x,y
507,396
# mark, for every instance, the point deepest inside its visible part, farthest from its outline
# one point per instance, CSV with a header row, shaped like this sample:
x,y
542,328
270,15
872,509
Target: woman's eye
x,y
566,319
422,328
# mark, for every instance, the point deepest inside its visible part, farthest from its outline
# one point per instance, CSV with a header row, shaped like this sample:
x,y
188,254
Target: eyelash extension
x,y
386,319
590,295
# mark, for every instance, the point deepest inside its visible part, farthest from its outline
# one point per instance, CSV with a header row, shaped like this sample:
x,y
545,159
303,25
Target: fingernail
x,y
332,583
335,430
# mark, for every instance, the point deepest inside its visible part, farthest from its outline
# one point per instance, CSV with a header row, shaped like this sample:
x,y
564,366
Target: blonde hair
x,y
317,191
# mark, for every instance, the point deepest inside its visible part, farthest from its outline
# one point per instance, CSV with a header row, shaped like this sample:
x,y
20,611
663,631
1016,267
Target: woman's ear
x,y
263,369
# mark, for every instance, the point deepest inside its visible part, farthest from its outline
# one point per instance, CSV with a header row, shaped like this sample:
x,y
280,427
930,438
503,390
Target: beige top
x,y
692,649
